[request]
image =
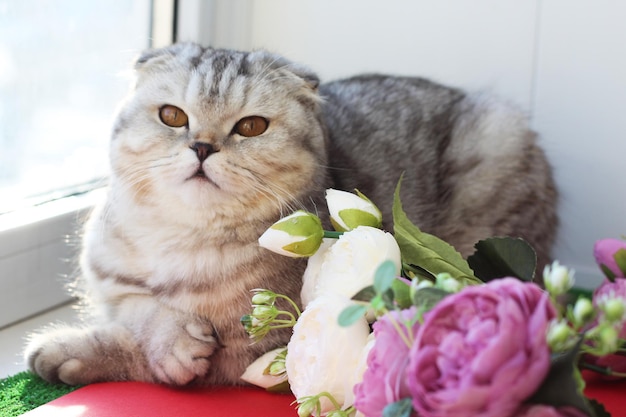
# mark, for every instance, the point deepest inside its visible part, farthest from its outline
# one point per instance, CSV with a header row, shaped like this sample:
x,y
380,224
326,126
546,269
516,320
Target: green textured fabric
x,y
24,391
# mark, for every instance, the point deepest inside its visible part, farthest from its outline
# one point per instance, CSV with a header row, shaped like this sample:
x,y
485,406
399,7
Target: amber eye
x,y
173,116
251,126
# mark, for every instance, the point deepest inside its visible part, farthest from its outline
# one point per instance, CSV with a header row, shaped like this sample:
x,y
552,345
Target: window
x,y
61,77
60,65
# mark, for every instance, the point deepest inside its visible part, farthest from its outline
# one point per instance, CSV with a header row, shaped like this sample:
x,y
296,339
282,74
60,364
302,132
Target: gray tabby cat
x,y
213,146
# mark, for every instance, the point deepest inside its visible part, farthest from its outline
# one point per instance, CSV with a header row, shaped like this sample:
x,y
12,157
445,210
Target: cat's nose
x,y
203,150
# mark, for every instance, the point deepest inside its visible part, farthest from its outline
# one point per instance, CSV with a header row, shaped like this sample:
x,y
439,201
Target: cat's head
x,y
212,130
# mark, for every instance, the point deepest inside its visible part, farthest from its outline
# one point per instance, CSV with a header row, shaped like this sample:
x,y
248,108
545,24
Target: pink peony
x,y
539,410
482,351
604,251
384,381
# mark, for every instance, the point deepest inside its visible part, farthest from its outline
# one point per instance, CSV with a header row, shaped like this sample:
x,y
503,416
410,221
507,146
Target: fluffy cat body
x,y
171,256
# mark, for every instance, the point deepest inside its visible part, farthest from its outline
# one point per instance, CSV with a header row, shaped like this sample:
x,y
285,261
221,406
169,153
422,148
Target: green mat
x,y
24,391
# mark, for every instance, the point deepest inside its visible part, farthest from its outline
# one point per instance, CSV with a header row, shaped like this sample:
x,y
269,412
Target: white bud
x,y
348,211
557,278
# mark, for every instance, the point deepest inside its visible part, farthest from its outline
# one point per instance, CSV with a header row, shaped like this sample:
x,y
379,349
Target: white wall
x,y
563,61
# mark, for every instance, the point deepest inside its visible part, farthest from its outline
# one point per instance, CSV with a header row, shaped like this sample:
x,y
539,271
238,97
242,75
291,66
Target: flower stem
x,y
602,370
407,339
332,234
290,301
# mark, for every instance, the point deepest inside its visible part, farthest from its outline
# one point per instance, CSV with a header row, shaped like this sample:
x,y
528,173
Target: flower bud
x,y
614,308
608,339
264,312
559,335
348,211
263,298
557,278
307,408
277,368
297,235
610,255
583,311
255,373
444,281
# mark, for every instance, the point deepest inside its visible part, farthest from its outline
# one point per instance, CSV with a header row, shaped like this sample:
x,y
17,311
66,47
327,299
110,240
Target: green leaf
x,y
283,388
426,250
401,293
620,259
499,257
418,271
383,277
351,314
598,409
608,272
426,298
366,294
561,387
401,408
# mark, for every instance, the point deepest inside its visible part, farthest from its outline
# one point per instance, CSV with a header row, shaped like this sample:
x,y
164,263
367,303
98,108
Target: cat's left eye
x,y
251,126
173,116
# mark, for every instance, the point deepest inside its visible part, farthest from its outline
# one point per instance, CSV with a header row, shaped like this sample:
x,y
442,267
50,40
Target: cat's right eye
x,y
173,116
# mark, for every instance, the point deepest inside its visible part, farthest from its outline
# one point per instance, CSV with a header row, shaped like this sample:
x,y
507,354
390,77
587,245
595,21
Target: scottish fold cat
x,y
212,146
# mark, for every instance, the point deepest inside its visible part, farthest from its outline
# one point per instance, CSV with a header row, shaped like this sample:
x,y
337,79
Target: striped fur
x,y
169,259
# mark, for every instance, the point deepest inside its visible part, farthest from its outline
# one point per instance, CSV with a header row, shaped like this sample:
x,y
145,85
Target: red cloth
x,y
612,394
134,399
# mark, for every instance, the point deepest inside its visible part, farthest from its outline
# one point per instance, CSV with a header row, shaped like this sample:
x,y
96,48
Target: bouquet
x,y
401,325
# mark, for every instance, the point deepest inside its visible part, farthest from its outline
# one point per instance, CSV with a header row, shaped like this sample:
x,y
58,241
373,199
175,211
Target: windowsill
x,y
13,338
38,250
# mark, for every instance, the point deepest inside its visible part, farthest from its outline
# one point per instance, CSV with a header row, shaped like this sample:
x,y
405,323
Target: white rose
x,y
314,264
349,265
322,355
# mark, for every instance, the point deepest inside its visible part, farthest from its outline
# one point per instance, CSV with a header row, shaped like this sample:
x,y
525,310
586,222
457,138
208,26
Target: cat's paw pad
x,y
187,359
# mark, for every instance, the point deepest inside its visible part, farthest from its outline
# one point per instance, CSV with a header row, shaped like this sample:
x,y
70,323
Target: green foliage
x,y
563,385
351,314
429,252
499,257
25,391
401,293
402,408
384,276
620,259
426,298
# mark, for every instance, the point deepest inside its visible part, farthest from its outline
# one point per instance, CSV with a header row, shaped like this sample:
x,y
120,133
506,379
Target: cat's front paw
x,y
78,356
186,356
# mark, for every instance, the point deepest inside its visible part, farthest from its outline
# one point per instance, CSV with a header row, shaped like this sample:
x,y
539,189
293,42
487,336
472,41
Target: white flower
x,y
297,235
314,264
582,312
323,356
560,336
255,373
348,211
348,265
613,307
557,278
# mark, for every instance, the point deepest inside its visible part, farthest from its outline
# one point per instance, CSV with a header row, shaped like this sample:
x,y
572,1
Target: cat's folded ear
x,y
282,64
160,56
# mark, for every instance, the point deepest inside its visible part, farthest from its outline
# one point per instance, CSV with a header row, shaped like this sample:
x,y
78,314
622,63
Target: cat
x,y
213,146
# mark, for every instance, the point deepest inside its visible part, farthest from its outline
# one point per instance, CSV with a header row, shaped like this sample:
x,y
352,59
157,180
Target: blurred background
x,y
62,65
